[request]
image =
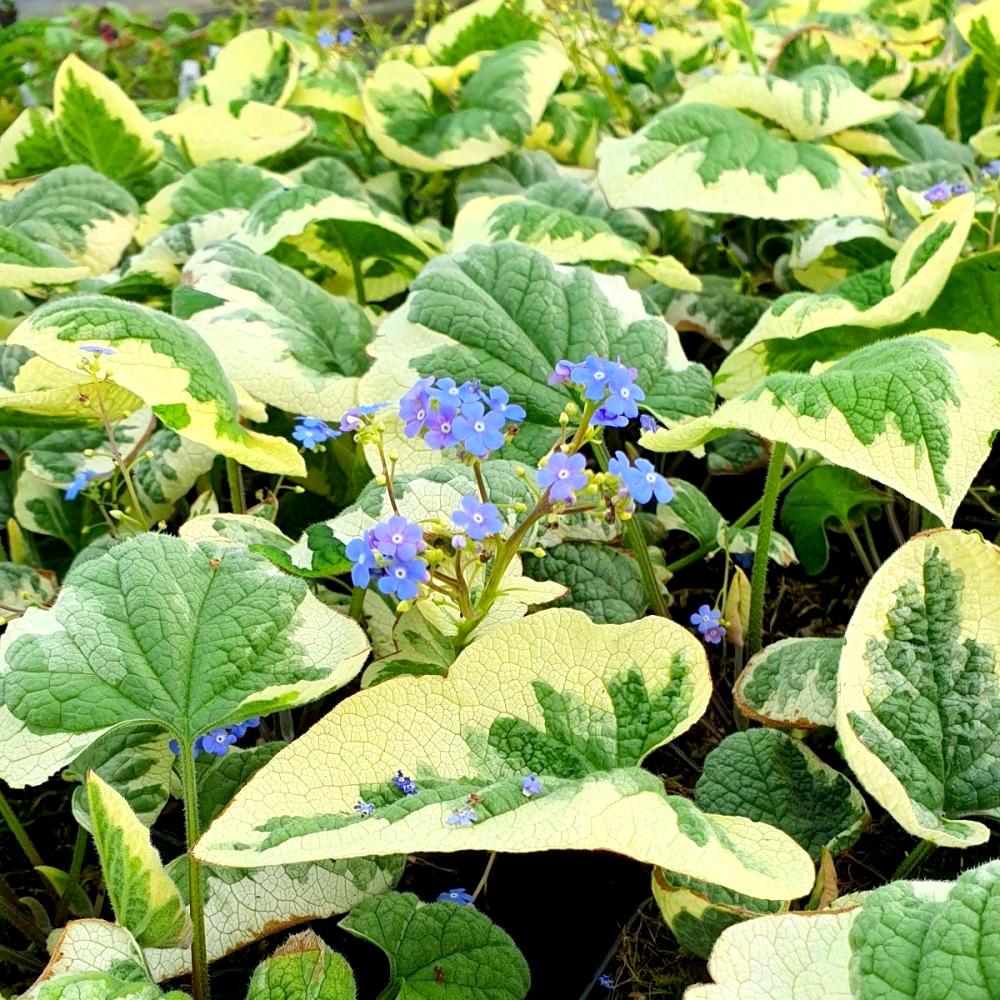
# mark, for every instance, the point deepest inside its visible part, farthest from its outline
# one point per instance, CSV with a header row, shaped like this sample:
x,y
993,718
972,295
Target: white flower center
x,y
446,428
397,538
421,414
400,573
479,427
650,477
598,376
625,393
478,518
563,473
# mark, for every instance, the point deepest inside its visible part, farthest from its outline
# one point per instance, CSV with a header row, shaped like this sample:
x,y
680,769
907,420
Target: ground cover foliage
x,y
523,453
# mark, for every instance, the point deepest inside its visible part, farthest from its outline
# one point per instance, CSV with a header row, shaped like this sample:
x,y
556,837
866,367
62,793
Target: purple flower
x,y
462,817
447,393
498,401
364,808
707,620
991,170
217,742
563,475
603,418
714,635
477,519
561,373
648,423
938,193
414,407
647,29
480,432
96,349
441,427
312,432
345,36
642,482
531,786
458,542
401,578
458,896
624,402
593,373
82,479
325,39
606,981
353,419
875,172
360,551
406,785
239,730
398,538
960,188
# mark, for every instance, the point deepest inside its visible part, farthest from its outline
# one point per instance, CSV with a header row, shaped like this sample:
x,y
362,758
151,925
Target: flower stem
x,y
359,281
192,829
858,547
235,476
486,874
73,878
912,860
633,535
21,835
758,581
357,607
119,461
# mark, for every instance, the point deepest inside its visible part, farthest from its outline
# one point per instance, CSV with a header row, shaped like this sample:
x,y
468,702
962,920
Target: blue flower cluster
x,y
457,896
709,624
218,741
875,173
311,432
326,39
404,783
477,520
449,415
465,816
388,553
562,475
640,482
80,482
941,192
608,383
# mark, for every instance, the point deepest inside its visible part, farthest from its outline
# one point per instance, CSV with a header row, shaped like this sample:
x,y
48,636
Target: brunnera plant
x,y
405,430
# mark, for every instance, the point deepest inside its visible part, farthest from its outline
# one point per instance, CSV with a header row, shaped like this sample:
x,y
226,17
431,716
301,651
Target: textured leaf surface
x,y
30,146
893,411
766,775
713,159
831,250
441,949
918,700
145,901
582,717
791,684
303,968
155,613
485,25
257,65
165,363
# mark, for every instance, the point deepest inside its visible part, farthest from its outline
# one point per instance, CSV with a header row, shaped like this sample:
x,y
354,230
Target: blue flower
x,y
398,538
743,559
531,786
561,373
646,28
938,192
362,554
706,619
606,981
480,432
648,423
603,418
714,635
447,393
312,432
96,349
498,400
611,70
563,475
325,39
401,578
239,730
593,374
991,170
345,36
217,742
875,172
624,402
80,481
414,407
462,817
364,808
960,188
441,427
406,785
353,419
458,896
642,482
477,519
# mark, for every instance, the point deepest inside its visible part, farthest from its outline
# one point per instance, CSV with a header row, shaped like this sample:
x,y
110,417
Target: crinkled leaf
x,y
415,647
174,468
25,264
582,717
432,945
918,691
23,587
30,146
303,968
485,25
831,250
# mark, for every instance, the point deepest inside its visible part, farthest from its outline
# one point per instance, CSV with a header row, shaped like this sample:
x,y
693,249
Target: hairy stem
x,y
912,860
236,495
192,829
758,581
73,878
119,461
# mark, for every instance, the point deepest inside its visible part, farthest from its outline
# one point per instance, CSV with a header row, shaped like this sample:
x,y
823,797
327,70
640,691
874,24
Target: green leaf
x,y
284,339
44,509
692,512
831,250
800,329
713,159
303,968
23,587
326,235
25,264
99,125
258,65
95,947
152,615
174,468
892,411
484,26
812,105
30,146
824,497
490,112
918,694
505,315
603,582
791,684
164,363
571,126
416,647
769,777
432,945
582,718
145,901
